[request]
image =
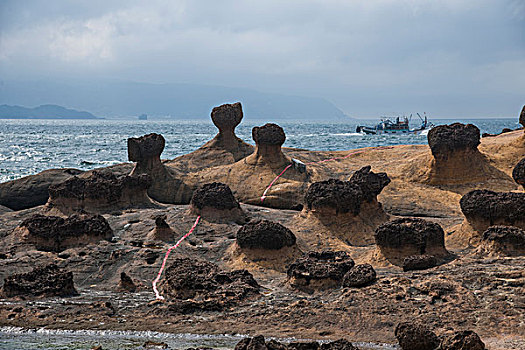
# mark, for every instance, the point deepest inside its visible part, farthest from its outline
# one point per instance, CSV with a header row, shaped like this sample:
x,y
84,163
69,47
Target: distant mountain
x,y
42,112
182,101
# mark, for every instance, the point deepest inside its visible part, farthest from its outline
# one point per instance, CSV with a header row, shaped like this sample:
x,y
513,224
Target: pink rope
x,y
156,280
263,197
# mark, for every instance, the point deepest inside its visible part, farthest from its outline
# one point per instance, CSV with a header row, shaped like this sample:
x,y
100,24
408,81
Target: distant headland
x,y
47,111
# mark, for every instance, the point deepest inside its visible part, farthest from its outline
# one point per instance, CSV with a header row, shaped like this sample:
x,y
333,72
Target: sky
x,y
450,58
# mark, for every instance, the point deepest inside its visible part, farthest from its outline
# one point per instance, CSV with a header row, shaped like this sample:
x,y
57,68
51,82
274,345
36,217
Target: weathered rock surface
x,y
32,191
162,230
419,262
371,183
522,116
258,343
215,202
359,276
503,241
99,193
444,140
342,196
416,336
264,234
43,281
126,283
319,270
55,234
518,174
406,237
462,340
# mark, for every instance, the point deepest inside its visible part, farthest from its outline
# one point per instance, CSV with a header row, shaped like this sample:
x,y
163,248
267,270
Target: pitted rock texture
x,y
206,283
507,240
214,195
45,281
493,208
327,267
371,183
462,340
417,234
419,262
268,134
522,116
259,343
359,276
264,234
447,139
415,336
53,233
145,147
344,196
227,116
518,174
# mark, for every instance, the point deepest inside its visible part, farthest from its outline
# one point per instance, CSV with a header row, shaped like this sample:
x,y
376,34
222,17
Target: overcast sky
x,y
369,57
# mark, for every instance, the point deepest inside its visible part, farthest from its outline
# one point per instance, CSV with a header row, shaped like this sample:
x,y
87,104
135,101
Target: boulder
x,y
416,336
360,276
503,241
44,281
319,270
406,237
264,234
215,202
55,234
518,174
462,340
31,191
419,262
101,192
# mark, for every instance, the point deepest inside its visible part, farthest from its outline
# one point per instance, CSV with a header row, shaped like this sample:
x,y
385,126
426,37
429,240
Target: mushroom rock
x,y
225,148
518,173
55,234
31,191
126,283
162,230
483,208
268,140
462,340
319,270
360,276
419,262
348,209
166,184
406,237
215,202
44,281
416,336
264,234
100,192
206,284
503,241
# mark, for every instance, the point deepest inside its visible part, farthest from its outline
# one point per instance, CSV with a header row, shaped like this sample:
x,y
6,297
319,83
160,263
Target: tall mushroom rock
x,y
268,140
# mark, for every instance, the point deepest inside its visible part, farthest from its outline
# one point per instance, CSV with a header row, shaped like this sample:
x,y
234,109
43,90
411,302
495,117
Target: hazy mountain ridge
x,y
180,101
47,111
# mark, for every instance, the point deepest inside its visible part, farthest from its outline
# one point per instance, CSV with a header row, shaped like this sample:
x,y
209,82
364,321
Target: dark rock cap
x,y
214,195
510,235
359,276
321,265
45,281
371,183
518,174
416,336
496,207
227,116
344,196
446,139
462,340
145,147
268,134
264,234
407,232
419,262
522,116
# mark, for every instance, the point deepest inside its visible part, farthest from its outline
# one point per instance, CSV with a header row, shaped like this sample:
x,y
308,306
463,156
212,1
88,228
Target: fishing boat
x,y
397,126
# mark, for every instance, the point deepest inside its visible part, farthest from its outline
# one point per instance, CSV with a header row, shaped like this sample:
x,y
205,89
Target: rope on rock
x,y
156,280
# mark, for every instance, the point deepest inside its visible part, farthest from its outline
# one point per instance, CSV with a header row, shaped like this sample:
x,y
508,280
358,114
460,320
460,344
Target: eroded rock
x,y
215,202
444,140
258,343
126,283
419,262
518,173
462,340
522,116
416,336
504,241
360,276
264,234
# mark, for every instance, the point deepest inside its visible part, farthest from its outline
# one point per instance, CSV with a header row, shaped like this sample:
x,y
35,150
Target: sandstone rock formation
x,y
206,285
416,336
348,209
503,241
126,283
215,202
101,192
264,234
55,234
359,276
166,184
518,173
319,270
419,262
162,230
462,340
44,281
405,237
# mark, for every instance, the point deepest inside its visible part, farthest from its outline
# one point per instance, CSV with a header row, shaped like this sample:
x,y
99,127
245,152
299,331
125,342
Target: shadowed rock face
x,y
522,116
215,195
126,283
483,208
204,282
507,240
162,230
320,269
444,140
264,234
146,149
52,233
463,340
518,174
415,336
405,237
258,343
359,276
419,262
226,117
44,281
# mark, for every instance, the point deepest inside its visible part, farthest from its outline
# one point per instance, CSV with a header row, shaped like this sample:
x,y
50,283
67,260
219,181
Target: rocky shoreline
x,y
368,246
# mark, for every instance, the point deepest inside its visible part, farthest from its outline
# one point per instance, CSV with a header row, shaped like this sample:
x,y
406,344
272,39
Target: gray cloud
x,y
449,57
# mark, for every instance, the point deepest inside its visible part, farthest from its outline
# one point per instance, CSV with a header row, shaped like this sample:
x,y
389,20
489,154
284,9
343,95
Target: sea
x,y
30,146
